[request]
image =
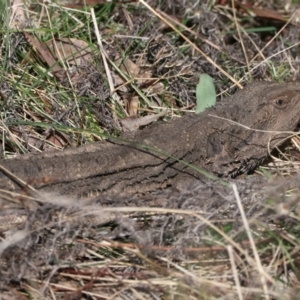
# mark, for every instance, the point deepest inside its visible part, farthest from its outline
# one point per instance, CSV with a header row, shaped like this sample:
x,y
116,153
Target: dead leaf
x,y
72,53
132,106
135,72
154,87
42,50
265,13
70,50
58,54
17,16
134,123
55,140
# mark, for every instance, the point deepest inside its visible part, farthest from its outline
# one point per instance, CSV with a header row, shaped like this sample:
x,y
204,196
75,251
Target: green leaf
x,y
205,93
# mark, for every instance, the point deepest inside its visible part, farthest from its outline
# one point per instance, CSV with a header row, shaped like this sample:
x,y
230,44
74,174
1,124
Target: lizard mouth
x,y
248,166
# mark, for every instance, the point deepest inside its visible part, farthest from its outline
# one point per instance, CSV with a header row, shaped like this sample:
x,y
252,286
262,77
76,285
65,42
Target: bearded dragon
x,y
228,139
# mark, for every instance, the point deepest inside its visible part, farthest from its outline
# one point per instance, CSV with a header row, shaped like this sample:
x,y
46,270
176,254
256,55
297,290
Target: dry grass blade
x,y
260,269
240,36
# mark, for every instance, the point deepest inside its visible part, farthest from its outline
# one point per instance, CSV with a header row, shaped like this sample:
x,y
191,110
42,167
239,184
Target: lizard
x,y
227,140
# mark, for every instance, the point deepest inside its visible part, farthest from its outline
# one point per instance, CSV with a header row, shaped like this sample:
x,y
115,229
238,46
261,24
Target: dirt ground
x,y
73,72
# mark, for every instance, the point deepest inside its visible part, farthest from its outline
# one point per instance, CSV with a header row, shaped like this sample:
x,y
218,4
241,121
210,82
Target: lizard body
x,y
207,140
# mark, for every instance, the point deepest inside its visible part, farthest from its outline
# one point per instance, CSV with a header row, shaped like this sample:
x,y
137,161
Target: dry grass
x,y
206,242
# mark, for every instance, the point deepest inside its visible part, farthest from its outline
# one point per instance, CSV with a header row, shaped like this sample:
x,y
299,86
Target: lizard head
x,y
263,115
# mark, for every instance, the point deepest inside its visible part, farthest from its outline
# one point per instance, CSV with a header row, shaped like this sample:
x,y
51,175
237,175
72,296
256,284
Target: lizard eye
x,y
280,103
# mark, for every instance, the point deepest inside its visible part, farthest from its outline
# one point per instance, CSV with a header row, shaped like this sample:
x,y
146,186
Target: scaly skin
x,y
208,141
